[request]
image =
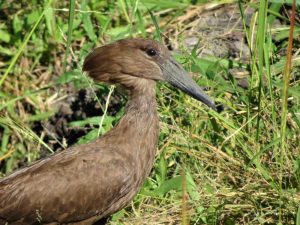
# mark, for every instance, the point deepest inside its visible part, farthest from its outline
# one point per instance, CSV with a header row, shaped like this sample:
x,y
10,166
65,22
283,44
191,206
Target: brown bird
x,y
85,183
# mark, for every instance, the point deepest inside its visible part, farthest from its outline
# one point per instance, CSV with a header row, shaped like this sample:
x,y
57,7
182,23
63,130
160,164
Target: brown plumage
x,y
88,182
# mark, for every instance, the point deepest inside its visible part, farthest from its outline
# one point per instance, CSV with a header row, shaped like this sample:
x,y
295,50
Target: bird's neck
x,y
140,121
137,132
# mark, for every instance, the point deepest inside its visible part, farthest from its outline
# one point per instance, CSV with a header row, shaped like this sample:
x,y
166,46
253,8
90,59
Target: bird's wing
x,y
71,186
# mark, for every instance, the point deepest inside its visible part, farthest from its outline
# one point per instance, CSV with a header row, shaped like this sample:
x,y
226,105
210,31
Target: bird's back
x,y
55,189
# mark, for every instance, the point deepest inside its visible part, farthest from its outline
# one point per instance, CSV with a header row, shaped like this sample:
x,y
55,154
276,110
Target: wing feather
x,y
72,185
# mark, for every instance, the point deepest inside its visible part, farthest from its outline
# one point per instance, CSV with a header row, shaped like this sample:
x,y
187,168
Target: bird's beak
x,y
175,75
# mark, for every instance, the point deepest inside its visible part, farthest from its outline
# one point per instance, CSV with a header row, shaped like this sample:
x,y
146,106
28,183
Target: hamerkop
x,y
85,183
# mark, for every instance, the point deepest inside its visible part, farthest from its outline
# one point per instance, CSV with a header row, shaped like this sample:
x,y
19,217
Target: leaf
x,y
118,215
90,136
87,22
174,183
92,121
192,187
4,36
17,24
33,17
69,76
6,51
119,32
41,116
162,168
284,33
5,138
49,17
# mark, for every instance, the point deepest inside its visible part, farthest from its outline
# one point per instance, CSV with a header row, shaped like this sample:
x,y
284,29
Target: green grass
x,y
241,166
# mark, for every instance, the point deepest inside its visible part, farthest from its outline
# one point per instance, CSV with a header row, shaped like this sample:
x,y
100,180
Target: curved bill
x,y
174,74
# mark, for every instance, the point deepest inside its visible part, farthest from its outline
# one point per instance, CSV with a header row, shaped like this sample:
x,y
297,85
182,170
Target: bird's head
x,y
133,62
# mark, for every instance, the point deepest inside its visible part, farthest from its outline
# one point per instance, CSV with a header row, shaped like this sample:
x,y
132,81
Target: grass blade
x,y
70,29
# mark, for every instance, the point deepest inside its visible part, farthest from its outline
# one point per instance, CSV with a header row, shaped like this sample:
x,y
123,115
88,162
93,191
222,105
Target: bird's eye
x,y
151,52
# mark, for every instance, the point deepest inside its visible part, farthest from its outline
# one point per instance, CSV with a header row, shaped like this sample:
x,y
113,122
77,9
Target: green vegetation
x,y
241,166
